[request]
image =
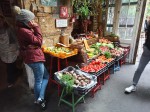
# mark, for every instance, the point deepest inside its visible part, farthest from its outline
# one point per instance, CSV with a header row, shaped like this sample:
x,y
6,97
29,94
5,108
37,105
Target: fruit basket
x,y
60,52
81,78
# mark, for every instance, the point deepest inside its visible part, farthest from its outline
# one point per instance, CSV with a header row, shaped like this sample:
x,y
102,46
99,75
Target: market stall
x,y
94,55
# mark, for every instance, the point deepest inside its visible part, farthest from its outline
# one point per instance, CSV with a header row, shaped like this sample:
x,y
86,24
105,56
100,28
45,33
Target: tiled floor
x,y
110,98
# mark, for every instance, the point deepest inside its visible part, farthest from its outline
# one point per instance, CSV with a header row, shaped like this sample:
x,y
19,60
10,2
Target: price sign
x,y
61,23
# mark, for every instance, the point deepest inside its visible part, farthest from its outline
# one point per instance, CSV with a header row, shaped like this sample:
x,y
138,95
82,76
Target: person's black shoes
x,y
42,104
10,85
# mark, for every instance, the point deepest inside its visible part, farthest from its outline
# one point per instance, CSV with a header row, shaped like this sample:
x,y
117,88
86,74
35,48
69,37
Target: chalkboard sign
x,y
61,23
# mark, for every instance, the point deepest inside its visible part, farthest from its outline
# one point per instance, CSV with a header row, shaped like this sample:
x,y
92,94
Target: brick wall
x,y
46,18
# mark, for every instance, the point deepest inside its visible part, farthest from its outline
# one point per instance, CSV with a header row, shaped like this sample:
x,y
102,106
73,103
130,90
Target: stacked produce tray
x,y
95,73
78,89
111,63
118,57
100,71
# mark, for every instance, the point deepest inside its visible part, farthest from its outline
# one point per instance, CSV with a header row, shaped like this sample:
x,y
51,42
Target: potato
x,y
77,81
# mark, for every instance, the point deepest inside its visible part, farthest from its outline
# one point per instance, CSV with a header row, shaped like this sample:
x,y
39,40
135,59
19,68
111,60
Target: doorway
x,y
125,22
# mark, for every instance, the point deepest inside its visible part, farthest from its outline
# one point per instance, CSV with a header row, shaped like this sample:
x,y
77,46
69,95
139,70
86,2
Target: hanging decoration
x,y
63,12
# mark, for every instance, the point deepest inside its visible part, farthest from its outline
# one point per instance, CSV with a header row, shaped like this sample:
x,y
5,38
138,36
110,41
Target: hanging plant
x,y
84,11
82,8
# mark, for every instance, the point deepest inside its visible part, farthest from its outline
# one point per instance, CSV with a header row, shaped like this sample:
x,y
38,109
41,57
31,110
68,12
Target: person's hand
x,y
32,24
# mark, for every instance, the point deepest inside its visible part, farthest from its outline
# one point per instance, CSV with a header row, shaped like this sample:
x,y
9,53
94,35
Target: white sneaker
x,y
130,89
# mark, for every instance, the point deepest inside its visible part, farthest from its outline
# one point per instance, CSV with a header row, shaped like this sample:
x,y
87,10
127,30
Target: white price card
x,y
61,23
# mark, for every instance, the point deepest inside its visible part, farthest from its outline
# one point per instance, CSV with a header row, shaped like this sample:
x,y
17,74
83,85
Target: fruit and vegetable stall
x,y
102,57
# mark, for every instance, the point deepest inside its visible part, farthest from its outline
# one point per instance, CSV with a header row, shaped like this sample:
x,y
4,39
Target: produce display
x,y
94,51
75,78
107,54
117,52
103,40
104,49
103,59
61,52
93,66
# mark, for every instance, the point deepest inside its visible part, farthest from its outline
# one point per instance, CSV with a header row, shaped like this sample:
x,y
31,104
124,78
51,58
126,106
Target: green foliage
x,y
82,7
113,35
87,7
83,11
107,54
69,81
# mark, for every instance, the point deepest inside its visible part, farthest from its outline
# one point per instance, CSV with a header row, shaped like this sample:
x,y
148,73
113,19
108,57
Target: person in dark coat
x,y
8,50
145,58
30,41
146,26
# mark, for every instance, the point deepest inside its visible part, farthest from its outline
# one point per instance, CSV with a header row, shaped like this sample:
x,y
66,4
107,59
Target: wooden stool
x,y
73,103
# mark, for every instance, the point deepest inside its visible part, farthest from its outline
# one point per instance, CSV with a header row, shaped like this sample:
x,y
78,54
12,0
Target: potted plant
x,y
82,8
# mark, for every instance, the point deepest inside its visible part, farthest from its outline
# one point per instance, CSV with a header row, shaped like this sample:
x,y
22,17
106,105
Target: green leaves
x,y
84,11
107,54
69,81
82,7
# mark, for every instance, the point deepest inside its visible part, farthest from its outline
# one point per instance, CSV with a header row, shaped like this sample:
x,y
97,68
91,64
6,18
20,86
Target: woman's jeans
x,y
41,79
145,58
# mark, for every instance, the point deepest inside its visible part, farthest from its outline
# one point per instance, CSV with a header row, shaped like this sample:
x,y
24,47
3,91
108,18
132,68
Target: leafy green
x,y
107,54
68,79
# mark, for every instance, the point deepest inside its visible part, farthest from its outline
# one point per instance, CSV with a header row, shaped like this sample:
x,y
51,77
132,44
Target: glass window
x,y
125,1
129,33
110,15
124,11
131,11
109,29
111,2
130,21
127,18
122,21
122,32
133,0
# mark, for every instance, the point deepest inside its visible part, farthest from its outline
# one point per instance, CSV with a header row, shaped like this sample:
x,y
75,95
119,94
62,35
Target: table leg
x,y
58,62
61,96
73,105
66,62
51,63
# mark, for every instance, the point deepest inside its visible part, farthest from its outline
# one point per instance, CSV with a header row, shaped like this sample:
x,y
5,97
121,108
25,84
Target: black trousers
x,y
11,72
